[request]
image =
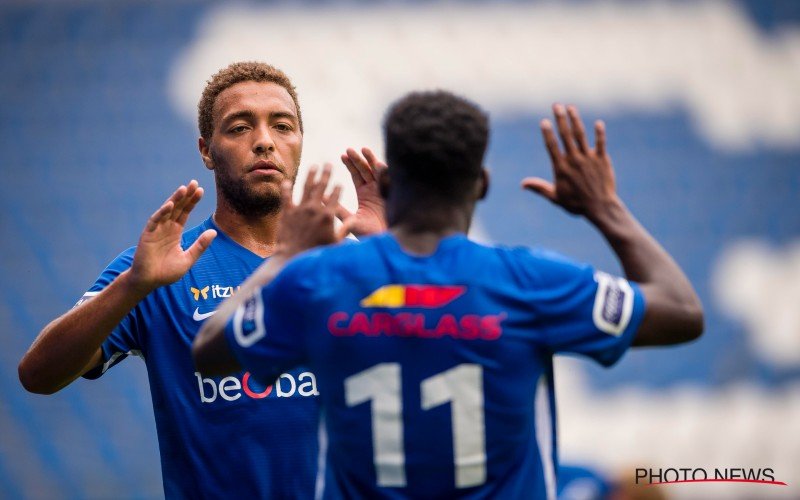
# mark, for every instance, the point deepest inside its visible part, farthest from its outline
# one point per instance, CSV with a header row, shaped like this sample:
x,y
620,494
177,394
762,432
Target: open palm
x,y
159,258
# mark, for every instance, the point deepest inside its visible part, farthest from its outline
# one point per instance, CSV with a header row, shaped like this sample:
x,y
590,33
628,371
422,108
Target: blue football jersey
x,y
219,437
435,373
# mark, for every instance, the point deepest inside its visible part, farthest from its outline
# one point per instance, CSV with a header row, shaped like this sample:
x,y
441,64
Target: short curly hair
x,y
247,71
435,143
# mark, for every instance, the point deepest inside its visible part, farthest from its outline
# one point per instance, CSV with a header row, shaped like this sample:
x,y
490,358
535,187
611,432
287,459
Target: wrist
x,y
134,285
607,215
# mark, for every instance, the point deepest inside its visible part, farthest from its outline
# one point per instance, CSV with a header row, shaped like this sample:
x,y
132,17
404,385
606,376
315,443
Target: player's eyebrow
x,y
245,113
276,115
250,115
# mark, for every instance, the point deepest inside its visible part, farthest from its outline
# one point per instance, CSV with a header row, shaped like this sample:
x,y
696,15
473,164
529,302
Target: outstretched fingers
x,y
363,166
184,195
564,129
600,138
321,184
578,130
308,186
286,195
357,166
162,214
167,210
375,164
340,211
331,201
314,188
550,142
191,202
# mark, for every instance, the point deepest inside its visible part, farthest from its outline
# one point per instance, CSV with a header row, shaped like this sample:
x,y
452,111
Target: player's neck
x,y
257,234
419,233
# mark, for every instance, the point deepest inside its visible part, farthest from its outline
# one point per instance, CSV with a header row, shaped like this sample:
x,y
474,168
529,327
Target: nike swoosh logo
x,y
198,316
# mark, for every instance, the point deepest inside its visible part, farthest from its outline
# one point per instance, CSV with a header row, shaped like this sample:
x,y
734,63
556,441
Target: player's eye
x,y
238,129
284,127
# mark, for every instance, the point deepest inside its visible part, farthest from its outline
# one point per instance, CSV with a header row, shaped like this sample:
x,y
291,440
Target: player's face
x,y
256,144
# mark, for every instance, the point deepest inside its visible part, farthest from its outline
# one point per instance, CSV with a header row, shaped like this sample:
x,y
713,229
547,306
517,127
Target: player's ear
x,y
383,183
205,153
484,184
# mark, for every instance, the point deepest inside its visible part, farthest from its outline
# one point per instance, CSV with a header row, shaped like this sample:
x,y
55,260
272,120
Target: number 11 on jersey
x,y
461,386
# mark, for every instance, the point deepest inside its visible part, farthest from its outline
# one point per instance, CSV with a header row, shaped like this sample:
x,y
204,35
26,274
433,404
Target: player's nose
x,y
263,140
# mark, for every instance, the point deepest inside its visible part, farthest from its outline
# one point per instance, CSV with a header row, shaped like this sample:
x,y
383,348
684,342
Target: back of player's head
x,y
435,143
250,71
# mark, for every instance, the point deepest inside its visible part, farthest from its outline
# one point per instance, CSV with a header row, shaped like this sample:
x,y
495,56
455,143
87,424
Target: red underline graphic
x,y
753,481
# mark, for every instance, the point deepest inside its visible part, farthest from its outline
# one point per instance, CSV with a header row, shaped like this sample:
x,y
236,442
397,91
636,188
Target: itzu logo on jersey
x,y
202,293
231,388
217,292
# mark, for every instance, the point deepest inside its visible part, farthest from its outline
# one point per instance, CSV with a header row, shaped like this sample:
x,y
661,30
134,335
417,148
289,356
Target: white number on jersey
x,y
461,386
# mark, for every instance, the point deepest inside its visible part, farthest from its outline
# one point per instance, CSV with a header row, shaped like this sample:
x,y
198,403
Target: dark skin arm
x,y
584,185
69,346
303,226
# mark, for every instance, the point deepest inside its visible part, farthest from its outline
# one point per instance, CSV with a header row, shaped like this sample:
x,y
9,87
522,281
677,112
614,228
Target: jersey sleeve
x,y
124,339
581,310
266,333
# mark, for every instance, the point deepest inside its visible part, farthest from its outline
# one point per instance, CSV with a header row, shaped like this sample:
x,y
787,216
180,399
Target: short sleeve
x,y
581,310
266,333
124,339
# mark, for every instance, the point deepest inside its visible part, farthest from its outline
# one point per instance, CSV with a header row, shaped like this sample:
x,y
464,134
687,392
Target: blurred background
x,y
702,105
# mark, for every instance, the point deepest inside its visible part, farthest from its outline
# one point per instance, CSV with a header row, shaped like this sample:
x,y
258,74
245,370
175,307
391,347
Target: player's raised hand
x,y
159,258
583,181
310,223
364,168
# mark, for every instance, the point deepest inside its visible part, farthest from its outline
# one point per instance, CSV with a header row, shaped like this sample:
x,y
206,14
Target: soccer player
x,y
218,437
434,353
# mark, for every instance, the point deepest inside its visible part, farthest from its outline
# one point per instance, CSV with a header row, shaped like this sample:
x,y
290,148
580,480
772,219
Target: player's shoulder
x,y
331,256
117,266
330,264
125,257
538,265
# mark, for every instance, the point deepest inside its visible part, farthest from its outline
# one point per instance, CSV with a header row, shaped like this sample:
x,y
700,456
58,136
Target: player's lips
x,y
266,167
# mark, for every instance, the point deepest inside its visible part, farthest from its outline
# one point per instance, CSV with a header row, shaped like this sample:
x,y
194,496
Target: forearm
x,y
209,350
69,346
674,310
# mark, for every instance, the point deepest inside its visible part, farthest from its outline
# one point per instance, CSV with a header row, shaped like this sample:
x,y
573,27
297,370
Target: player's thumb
x,y
346,228
200,245
342,213
540,186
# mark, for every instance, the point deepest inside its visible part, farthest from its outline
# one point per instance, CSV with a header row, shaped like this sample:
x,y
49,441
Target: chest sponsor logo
x,y
406,324
232,388
206,292
213,291
415,324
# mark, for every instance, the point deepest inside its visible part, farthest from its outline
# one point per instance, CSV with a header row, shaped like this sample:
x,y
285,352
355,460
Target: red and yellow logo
x,y
427,296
